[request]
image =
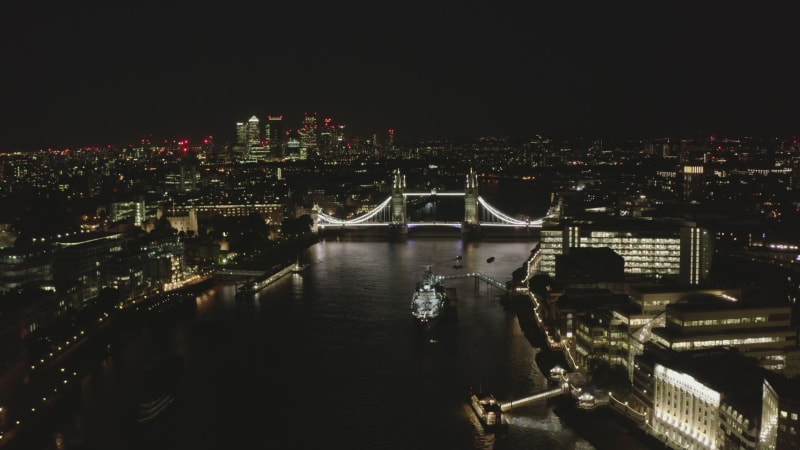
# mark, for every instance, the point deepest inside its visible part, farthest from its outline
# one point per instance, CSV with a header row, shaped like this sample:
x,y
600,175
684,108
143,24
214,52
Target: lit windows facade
x,y
763,333
780,415
685,410
272,212
769,417
656,250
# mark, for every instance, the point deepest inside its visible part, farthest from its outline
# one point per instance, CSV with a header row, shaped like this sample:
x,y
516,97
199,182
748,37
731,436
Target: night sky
x,y
88,73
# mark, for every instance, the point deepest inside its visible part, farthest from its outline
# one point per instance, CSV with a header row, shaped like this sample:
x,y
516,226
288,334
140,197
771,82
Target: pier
x,y
251,287
478,277
544,395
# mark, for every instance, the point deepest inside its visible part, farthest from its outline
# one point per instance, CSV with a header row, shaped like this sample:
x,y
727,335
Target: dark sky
x,y
96,73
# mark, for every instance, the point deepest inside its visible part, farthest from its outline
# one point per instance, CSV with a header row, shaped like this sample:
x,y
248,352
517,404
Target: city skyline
x,y
100,74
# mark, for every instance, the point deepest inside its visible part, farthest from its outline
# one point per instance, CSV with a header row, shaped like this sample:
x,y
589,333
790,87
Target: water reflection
x,y
331,355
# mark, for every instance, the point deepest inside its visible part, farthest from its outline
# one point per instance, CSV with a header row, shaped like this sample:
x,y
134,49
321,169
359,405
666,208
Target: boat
x,y
178,299
429,299
489,412
490,259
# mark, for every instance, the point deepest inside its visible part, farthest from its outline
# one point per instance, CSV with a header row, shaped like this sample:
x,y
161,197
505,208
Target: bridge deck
x,y
550,393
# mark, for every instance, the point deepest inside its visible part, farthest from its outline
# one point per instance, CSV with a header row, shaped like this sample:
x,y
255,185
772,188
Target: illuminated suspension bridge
x,y
392,211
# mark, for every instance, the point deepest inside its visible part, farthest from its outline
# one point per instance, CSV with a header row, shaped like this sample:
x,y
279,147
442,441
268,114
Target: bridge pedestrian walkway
x,y
550,393
479,276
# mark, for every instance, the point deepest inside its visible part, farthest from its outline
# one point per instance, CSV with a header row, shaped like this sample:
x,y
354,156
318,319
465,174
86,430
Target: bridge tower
x,y
399,218
471,222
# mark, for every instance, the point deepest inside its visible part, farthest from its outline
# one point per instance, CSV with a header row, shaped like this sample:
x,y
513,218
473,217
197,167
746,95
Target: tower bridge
x,y
392,213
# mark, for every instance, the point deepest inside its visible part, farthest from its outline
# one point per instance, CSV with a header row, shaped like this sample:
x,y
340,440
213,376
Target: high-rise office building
x,y
693,180
241,134
253,132
308,132
275,135
390,141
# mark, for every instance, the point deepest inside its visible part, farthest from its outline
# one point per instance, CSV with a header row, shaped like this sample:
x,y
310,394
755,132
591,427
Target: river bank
x,y
604,427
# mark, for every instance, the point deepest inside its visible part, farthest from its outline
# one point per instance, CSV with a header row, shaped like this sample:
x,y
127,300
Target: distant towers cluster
x,y
248,133
249,143
272,139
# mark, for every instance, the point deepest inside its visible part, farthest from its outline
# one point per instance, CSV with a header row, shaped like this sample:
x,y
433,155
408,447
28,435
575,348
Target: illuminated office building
x,y
133,210
715,399
693,180
241,134
651,248
390,141
259,153
757,328
696,408
618,331
253,132
308,133
19,267
294,149
78,263
271,212
780,414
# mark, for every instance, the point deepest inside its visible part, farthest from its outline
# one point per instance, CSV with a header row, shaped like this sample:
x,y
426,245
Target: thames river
x,y
330,358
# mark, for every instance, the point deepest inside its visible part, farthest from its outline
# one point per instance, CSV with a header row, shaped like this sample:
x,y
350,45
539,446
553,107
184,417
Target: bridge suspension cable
x,y
364,219
494,212
375,216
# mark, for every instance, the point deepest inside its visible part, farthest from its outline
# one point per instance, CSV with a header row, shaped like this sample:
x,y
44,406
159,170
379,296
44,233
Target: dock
x,y
251,287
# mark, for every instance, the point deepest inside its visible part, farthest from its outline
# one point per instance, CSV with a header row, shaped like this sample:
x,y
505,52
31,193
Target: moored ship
x,y
429,300
177,299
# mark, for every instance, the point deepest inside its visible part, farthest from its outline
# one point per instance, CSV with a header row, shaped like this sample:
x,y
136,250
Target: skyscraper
x,y
308,132
275,135
253,132
693,181
241,134
390,140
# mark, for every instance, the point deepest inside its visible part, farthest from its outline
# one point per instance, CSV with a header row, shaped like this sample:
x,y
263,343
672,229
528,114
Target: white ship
x,y
430,298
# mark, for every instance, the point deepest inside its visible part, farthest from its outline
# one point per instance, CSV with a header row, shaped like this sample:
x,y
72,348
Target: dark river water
x,y
330,358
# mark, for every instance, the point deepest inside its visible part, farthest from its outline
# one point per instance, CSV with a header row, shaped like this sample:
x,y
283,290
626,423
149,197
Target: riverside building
x,y
659,249
758,328
715,399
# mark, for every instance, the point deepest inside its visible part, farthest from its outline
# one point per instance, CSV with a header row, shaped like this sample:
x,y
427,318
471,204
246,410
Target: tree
x,y
297,226
163,228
